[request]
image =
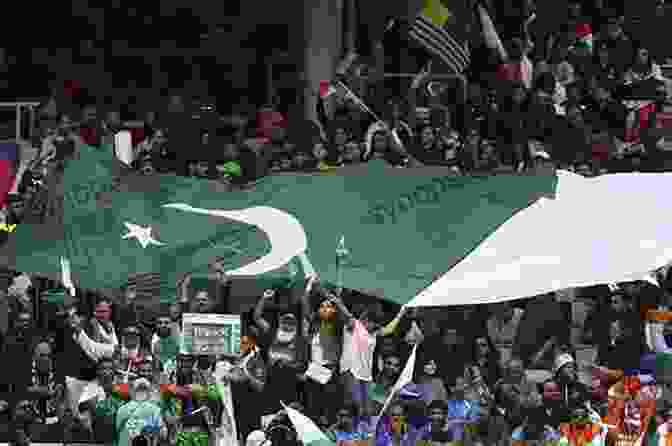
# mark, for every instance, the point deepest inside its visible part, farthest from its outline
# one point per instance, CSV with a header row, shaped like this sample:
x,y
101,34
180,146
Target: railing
x,y
19,107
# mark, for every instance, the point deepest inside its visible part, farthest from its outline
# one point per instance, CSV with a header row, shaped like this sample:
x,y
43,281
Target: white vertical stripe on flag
x,y
440,43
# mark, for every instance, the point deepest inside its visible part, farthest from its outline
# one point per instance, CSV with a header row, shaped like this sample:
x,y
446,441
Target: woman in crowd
x,y
345,432
284,348
513,123
428,380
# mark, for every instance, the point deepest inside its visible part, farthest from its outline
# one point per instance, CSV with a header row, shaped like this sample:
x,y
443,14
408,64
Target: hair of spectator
x,y
437,405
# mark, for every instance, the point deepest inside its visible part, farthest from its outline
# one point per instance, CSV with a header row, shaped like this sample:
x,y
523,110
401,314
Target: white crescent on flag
x,y
285,234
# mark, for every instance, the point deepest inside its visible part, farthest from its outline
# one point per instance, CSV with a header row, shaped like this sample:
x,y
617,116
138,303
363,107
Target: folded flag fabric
x,y
429,31
307,431
490,35
9,153
521,259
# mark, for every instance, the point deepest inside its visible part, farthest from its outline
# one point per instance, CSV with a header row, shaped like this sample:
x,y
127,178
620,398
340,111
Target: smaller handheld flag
x,y
404,379
341,255
66,276
307,431
326,89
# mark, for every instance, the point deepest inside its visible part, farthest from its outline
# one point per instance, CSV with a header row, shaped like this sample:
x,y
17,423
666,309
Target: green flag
x,y
404,227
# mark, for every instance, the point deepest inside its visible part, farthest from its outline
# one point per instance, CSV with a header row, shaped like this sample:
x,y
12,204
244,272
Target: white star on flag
x,y
142,235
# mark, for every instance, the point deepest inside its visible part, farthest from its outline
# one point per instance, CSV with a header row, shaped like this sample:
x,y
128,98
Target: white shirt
x,y
358,348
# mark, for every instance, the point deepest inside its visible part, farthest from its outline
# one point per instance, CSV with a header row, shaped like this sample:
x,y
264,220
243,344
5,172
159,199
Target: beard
x,y
163,332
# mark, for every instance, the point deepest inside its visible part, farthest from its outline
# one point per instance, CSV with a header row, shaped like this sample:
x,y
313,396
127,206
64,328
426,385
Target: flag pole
x,y
358,101
341,254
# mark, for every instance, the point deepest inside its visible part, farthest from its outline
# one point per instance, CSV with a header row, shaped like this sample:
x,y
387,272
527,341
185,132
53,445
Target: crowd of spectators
x,y
507,373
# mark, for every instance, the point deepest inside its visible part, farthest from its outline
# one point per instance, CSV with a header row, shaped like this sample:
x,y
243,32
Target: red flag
x,y
9,153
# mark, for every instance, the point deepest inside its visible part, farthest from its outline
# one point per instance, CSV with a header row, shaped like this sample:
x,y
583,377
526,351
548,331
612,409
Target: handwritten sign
x,y
210,334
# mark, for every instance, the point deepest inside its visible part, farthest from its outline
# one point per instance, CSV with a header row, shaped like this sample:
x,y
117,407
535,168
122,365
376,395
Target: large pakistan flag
x,y
417,236
403,228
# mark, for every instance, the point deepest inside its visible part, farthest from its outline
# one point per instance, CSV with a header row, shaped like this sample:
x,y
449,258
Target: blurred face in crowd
x,y
319,152
614,30
482,347
114,118
632,417
146,370
449,337
516,49
176,103
504,311
105,373
430,368
346,419
103,312
569,373
422,116
247,344
574,10
287,329
618,303
396,112
186,366
585,170
398,418
163,325
203,302
327,311
519,95
23,413
427,137
516,370
131,337
141,389
175,312
17,208
437,417
387,346
201,169
130,294
23,322
278,134
643,56
340,137
90,114
392,366
616,331
575,116
300,160
42,356
380,141
352,153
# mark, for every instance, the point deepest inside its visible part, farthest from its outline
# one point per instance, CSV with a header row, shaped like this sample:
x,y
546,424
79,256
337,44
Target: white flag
x,y
66,277
307,431
405,378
